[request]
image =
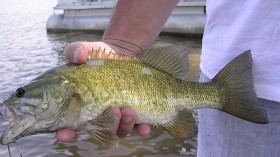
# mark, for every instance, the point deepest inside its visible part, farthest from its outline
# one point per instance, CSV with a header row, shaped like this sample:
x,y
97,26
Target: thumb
x,y
77,52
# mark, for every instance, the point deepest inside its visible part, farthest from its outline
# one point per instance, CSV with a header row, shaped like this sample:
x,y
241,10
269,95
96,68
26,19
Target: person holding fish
x,y
232,27
114,87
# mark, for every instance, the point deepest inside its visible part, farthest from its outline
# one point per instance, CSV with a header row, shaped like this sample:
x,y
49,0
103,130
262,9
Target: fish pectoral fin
x,y
106,138
103,129
74,108
183,125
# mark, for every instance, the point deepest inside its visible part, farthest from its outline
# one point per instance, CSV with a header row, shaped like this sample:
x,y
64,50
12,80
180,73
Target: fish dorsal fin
x,y
100,54
171,59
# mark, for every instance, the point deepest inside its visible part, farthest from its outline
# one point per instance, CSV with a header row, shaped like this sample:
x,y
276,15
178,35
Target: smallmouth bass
x,y
76,96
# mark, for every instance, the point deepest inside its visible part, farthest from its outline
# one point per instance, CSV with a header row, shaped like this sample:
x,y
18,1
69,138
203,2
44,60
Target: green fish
x,y
76,96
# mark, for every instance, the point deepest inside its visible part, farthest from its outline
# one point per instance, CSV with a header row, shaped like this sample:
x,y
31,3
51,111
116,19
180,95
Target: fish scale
x,y
109,78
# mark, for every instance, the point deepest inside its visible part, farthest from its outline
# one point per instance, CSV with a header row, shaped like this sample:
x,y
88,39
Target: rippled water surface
x,y
27,50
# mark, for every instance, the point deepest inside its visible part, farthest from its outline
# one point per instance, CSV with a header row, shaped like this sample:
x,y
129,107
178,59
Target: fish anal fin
x,y
183,125
103,129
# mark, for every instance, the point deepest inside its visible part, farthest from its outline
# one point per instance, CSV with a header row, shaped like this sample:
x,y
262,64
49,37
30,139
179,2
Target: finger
x,y
127,122
65,135
143,130
77,52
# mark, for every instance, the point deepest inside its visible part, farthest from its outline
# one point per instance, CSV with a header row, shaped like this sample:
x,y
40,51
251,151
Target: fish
x,y
154,85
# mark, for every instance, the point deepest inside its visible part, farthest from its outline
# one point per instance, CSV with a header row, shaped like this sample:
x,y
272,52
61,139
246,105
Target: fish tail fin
x,y
236,89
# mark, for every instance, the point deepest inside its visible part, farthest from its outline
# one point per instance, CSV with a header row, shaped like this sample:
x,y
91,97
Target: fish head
x,y
34,107
35,97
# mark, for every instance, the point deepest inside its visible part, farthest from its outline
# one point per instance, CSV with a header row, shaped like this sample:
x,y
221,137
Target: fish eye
x,y
20,92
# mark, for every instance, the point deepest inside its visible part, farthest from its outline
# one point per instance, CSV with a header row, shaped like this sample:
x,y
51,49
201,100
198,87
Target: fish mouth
x,y
18,124
13,120
17,128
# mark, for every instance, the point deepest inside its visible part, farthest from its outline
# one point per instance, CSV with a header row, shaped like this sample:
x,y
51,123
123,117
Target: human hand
x,y
79,52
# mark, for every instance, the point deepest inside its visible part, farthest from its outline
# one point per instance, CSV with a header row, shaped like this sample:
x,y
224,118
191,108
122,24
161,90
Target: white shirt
x,y
234,26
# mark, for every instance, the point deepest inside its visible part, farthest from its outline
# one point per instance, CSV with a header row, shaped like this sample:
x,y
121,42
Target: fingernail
x,y
75,54
127,119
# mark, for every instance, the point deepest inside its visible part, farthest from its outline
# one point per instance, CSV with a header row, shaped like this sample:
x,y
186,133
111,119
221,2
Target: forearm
x,y
135,24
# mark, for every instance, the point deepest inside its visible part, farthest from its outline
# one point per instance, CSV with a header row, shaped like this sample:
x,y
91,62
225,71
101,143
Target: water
x,y
27,50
